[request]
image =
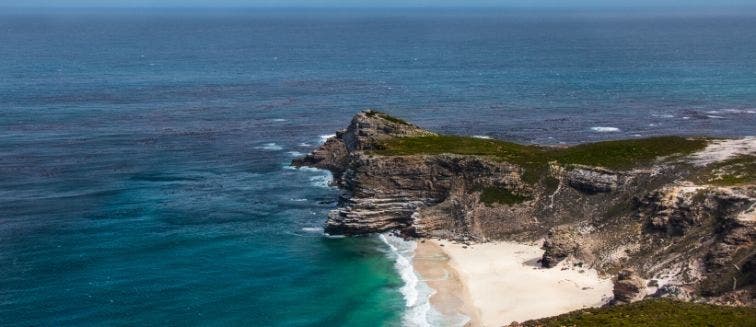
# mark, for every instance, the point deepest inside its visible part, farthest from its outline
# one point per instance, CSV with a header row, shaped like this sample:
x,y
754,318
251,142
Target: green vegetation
x,y
531,158
388,117
620,155
658,312
438,144
551,184
491,195
627,154
731,172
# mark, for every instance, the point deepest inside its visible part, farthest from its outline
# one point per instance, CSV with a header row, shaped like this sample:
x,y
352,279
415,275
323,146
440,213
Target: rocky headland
x,y
666,216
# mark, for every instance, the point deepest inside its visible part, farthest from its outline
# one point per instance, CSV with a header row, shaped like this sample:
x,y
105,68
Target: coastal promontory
x,y
666,217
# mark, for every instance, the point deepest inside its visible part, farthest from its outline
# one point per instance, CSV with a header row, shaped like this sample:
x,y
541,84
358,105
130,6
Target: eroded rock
x,y
561,242
628,287
332,155
593,180
369,128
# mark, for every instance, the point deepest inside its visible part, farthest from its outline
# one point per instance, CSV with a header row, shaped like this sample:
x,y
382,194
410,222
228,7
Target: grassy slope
x,y
622,154
734,171
627,154
619,155
657,312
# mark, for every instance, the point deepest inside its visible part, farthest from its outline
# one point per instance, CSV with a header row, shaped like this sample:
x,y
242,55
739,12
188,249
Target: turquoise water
x,y
143,155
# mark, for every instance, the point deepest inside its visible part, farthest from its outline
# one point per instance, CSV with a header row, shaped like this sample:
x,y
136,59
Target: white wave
x,y
305,169
663,115
305,145
325,137
278,120
298,200
323,181
732,111
485,137
295,153
312,229
416,293
269,147
333,236
685,117
605,129
714,116
404,266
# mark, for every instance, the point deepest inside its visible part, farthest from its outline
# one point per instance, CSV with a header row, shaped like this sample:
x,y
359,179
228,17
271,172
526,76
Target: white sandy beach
x,y
504,283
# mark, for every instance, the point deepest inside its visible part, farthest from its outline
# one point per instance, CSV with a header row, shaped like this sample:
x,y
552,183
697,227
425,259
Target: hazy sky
x,y
384,3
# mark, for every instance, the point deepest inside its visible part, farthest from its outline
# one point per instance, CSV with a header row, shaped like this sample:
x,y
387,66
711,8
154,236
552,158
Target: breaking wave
x,y
269,147
605,129
416,293
325,137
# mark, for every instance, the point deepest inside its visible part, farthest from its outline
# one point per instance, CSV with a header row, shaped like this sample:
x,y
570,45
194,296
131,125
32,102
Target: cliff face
x,y
660,217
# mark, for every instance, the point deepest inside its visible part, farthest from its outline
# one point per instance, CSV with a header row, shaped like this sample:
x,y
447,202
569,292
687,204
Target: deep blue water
x,y
143,155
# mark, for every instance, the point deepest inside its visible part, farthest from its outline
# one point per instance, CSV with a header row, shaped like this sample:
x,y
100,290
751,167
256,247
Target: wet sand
x,y
451,298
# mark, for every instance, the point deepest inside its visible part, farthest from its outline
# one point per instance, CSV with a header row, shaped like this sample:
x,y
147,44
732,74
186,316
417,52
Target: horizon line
x,y
387,7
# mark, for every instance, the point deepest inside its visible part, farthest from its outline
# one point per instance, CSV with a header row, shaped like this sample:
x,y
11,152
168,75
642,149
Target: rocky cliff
x,y
676,212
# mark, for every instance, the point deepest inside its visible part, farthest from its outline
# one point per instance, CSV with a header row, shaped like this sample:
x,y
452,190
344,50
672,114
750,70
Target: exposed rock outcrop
x,y
628,287
370,127
670,210
593,180
399,193
561,242
332,155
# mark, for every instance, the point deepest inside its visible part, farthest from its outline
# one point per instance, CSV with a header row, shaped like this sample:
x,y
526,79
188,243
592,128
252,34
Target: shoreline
x,y
451,297
498,283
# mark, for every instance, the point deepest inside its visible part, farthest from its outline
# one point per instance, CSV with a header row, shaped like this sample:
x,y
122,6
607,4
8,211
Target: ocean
x,y
144,154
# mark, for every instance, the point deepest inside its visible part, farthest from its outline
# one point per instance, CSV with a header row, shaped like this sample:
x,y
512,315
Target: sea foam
x,y
295,153
605,129
303,168
323,181
318,230
419,312
732,111
323,178
269,147
325,137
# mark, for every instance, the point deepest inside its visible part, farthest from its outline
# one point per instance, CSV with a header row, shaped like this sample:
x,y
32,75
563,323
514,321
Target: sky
x,y
387,3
